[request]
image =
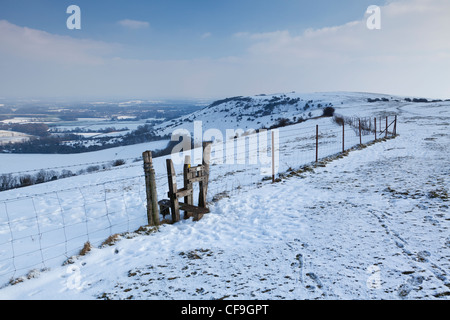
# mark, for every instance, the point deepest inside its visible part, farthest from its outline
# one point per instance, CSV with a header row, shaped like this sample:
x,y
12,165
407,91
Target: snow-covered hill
x,y
372,225
253,112
266,110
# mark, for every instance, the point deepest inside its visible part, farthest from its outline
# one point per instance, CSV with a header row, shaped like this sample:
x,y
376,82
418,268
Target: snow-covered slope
x,y
373,225
264,111
253,112
22,162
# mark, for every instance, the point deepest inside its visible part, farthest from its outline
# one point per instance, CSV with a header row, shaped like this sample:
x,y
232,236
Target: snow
x,y
247,113
371,225
12,137
20,162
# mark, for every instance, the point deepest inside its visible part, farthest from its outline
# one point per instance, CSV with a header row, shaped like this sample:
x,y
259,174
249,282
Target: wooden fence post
x,y
173,189
343,137
360,138
375,128
317,143
273,156
207,145
395,126
386,133
150,184
189,199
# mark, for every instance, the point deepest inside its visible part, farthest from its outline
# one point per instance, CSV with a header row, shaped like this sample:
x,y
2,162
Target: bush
x,y
339,120
282,122
26,180
91,169
420,100
328,112
7,181
118,162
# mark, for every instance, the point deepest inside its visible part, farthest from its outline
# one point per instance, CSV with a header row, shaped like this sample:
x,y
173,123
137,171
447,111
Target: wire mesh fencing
x,y
42,231
295,146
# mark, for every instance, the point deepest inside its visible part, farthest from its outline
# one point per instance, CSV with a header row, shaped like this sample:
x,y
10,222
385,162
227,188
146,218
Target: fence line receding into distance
x,y
43,230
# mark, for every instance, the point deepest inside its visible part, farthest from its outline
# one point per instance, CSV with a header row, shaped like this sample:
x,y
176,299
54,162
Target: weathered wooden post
x,y
273,155
386,133
173,190
375,128
317,143
360,138
395,125
187,175
207,145
150,185
343,137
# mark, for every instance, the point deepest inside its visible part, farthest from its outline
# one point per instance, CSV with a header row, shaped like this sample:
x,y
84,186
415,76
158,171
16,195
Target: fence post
x,y
273,156
187,184
395,126
343,137
152,195
386,133
375,128
173,189
360,138
317,143
207,145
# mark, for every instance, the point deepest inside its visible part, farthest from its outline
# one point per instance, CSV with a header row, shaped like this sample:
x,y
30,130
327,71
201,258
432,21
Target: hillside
x,y
252,112
371,225
266,110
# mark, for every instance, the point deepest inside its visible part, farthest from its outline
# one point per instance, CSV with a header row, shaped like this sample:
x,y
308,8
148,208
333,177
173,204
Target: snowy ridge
x,y
252,112
265,110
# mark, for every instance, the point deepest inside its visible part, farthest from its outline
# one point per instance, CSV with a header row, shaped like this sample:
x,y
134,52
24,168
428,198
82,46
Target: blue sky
x,y
182,29
215,49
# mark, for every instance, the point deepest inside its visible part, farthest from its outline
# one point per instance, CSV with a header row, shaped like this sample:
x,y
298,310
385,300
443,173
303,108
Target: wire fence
x,y
295,147
20,179
41,231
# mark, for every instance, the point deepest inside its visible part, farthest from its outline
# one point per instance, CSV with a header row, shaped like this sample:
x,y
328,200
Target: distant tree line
x,y
84,130
10,181
34,129
283,122
418,100
71,143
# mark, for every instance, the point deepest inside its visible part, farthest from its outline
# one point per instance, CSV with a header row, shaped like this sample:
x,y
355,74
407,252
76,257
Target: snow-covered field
x,y
371,225
11,163
12,137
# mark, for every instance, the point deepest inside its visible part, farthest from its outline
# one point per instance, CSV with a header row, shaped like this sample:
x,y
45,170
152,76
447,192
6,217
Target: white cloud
x,y
206,35
410,55
134,24
37,45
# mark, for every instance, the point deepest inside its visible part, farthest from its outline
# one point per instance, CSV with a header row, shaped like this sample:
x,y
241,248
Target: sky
x,y
216,49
